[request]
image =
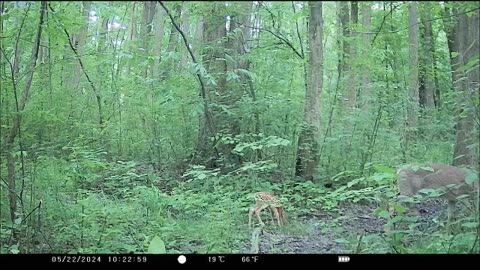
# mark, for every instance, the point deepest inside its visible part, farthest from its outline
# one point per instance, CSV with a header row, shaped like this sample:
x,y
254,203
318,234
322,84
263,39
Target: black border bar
x,y
337,260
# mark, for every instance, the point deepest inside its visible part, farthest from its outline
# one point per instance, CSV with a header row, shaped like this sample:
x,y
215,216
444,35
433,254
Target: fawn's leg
x,y
279,219
277,215
250,213
259,218
272,212
258,210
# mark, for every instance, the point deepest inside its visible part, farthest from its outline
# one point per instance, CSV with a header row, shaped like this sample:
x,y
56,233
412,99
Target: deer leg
x,y
259,218
250,213
451,213
258,211
272,212
277,216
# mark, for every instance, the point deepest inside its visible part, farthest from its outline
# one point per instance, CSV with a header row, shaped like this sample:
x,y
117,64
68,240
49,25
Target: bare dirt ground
x,y
352,220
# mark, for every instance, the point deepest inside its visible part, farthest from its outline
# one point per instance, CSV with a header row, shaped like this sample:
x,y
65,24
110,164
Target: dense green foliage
x,y
113,185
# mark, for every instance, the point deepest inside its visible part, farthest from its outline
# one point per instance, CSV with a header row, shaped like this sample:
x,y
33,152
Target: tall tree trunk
x,y
426,89
353,81
133,23
345,22
466,83
157,45
198,40
308,141
4,104
82,36
412,106
346,88
101,69
220,122
132,35
173,40
148,14
185,26
207,151
366,81
15,130
238,46
449,23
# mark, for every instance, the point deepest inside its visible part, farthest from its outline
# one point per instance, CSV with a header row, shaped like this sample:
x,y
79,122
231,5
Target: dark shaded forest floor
x,y
324,229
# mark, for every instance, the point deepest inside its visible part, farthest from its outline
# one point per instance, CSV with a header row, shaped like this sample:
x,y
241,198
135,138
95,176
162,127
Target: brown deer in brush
x,y
451,180
265,200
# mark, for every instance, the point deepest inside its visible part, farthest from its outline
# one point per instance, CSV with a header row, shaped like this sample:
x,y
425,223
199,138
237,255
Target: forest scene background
x,y
128,127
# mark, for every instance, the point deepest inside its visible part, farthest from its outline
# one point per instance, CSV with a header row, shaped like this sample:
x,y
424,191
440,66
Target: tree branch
x,y
92,85
420,22
203,91
284,40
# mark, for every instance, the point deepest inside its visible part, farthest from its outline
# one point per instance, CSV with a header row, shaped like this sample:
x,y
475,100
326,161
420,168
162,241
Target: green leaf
x,y
14,249
21,3
342,241
399,208
470,178
299,14
383,169
382,213
427,168
157,246
472,63
378,177
470,225
18,220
